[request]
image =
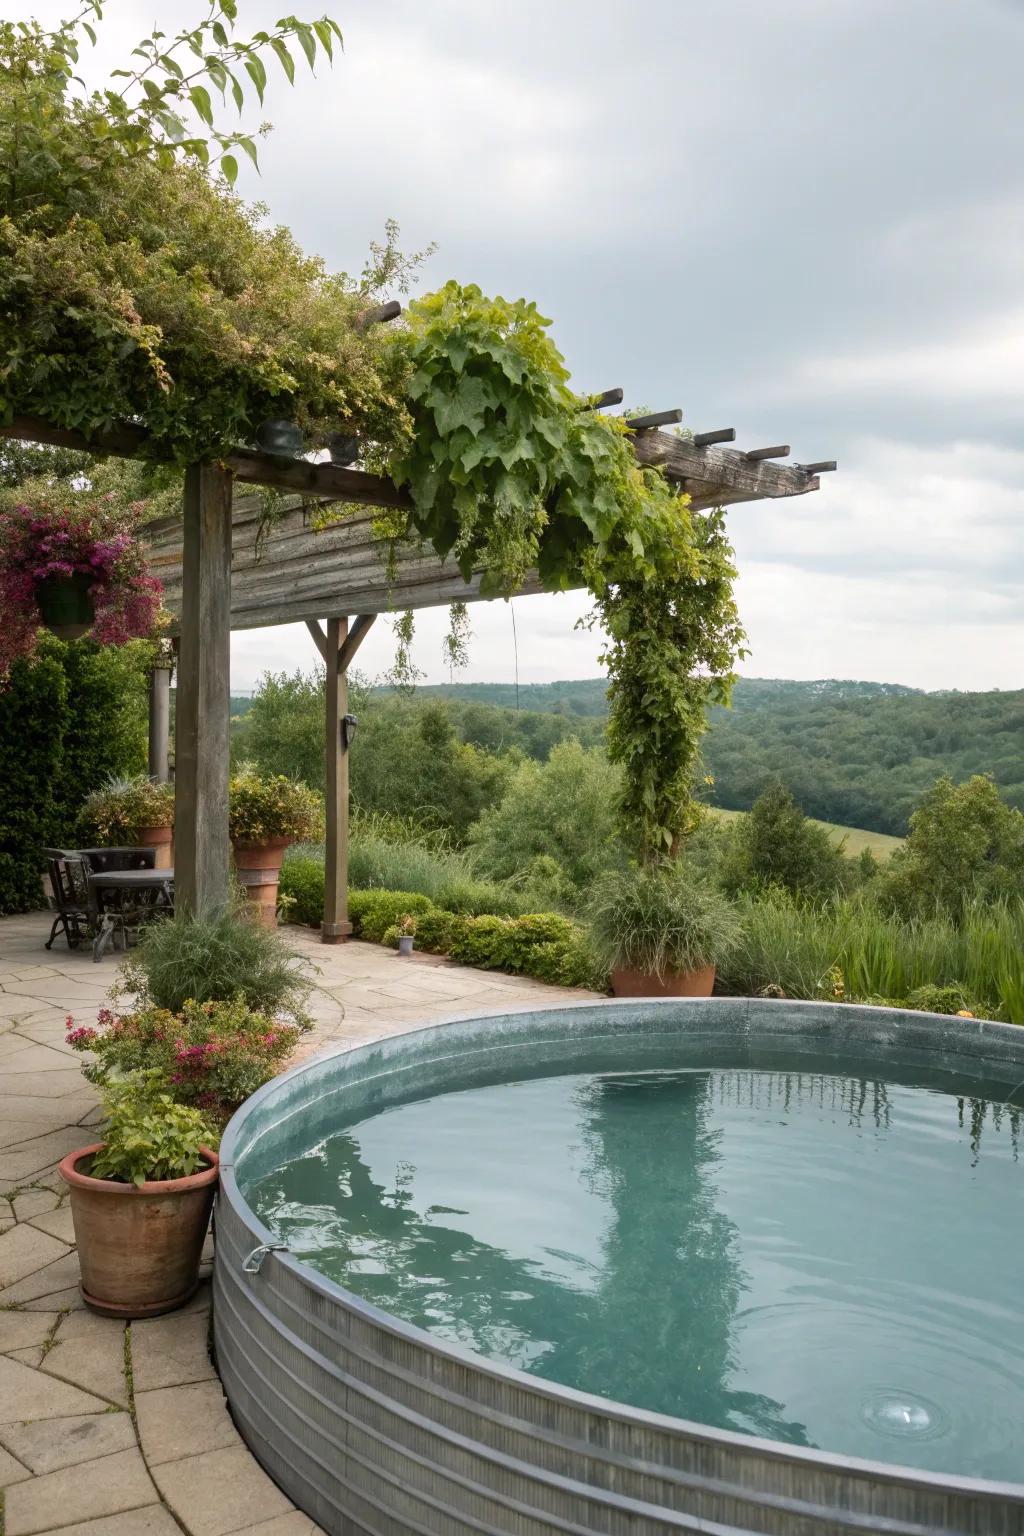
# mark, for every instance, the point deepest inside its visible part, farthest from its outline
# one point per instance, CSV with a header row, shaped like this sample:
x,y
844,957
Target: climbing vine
x,y
136,287
508,473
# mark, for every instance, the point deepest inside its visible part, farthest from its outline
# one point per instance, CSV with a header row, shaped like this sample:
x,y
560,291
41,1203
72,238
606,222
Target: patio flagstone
x,y
74,1460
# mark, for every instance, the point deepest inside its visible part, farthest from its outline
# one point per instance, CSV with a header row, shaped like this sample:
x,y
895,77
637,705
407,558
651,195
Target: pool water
x,y
829,1261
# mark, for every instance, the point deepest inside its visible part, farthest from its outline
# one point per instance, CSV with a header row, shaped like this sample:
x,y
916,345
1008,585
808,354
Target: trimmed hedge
x,y
545,945
69,718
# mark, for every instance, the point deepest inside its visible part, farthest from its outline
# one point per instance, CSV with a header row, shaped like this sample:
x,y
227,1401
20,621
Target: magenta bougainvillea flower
x,y
75,535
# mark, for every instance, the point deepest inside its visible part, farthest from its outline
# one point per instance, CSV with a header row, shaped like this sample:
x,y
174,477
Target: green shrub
x,y
263,807
148,1135
966,846
383,909
532,930
563,810
934,999
484,942
301,890
216,959
68,719
477,898
436,931
775,845
214,1055
658,918
568,962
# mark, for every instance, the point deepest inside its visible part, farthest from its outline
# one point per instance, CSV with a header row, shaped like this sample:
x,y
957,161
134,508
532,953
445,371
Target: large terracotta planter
x,y
258,866
139,1245
162,839
627,983
66,606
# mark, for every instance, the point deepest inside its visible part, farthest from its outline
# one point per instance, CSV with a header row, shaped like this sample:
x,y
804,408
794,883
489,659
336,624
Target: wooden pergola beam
x,y
711,476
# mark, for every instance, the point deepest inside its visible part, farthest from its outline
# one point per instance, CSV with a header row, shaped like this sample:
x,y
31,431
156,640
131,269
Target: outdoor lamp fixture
x,y
343,448
348,730
280,437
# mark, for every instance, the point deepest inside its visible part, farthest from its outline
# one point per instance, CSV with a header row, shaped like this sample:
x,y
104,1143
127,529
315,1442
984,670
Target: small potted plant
x,y
141,1200
660,931
406,933
268,814
72,563
135,811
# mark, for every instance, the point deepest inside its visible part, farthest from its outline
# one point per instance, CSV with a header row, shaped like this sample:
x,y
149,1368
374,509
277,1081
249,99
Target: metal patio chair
x,y
73,898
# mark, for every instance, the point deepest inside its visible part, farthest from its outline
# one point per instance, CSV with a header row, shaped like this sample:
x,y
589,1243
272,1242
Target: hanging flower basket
x,y
66,606
72,562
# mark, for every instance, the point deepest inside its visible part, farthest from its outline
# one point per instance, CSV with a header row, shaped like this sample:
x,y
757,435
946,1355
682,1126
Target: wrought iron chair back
x,y
72,895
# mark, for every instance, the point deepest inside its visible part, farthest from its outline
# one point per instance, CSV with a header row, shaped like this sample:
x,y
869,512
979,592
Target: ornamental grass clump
x,y
658,919
216,959
267,807
211,1055
65,538
120,808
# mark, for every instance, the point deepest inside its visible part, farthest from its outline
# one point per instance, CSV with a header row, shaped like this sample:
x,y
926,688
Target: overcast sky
x,y
804,218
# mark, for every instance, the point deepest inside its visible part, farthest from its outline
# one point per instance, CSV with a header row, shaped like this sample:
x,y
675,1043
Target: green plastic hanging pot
x,y
66,605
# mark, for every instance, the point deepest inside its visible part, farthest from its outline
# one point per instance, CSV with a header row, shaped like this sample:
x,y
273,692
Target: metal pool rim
x,y
742,1018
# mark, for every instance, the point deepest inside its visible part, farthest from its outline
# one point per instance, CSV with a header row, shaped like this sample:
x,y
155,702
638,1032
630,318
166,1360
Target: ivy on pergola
x,y
220,574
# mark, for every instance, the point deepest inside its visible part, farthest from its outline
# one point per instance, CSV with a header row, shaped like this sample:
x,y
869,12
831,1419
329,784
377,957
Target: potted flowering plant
x,y
266,815
141,1199
73,564
135,810
406,926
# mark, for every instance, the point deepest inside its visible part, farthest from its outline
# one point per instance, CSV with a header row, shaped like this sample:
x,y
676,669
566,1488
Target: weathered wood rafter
x,y
297,573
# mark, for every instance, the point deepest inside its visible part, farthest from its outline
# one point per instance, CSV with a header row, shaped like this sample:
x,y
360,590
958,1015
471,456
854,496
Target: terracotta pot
x,y
66,606
258,866
162,839
627,983
139,1245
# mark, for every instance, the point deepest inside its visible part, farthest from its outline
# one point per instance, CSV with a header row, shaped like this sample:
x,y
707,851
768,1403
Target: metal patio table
x,y
127,898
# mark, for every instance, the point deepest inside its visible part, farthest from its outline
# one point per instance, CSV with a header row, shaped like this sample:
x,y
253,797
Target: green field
x,y
880,843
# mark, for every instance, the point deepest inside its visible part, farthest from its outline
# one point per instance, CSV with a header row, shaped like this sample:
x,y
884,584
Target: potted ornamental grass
x,y
267,814
141,1199
406,933
72,562
660,931
136,811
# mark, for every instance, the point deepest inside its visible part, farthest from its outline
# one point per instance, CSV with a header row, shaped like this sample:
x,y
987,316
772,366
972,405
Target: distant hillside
x,y
854,753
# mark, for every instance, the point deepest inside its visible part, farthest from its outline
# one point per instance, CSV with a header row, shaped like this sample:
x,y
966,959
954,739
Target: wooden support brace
x,y
202,743
336,926
354,639
318,635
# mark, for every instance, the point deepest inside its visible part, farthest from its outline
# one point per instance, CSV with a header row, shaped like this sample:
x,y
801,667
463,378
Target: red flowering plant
x,y
213,1055
54,538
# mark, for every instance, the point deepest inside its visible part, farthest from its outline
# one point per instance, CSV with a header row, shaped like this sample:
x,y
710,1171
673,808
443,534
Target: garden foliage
x,y
68,720
148,1135
212,1055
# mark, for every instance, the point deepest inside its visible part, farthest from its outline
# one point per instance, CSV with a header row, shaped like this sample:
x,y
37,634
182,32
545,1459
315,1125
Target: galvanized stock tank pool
x,y
710,1265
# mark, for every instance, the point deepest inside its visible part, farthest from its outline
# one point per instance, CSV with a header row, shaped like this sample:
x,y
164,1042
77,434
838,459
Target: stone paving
x,y
109,1429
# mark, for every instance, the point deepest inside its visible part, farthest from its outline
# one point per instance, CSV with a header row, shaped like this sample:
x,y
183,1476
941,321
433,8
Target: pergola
x,y
223,569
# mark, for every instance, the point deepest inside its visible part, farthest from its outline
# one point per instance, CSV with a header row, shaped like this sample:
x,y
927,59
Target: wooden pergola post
x,y
336,926
160,721
202,846
337,645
